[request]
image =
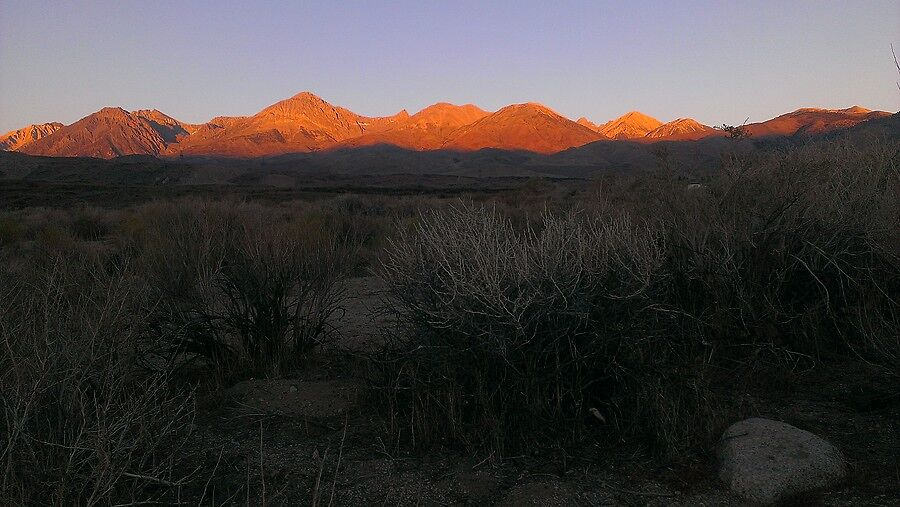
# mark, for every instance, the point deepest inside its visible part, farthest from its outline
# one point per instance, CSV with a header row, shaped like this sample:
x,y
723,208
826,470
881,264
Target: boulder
x,y
767,461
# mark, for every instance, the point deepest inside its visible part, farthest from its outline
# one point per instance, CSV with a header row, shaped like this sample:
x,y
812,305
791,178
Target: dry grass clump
x,y
80,424
239,287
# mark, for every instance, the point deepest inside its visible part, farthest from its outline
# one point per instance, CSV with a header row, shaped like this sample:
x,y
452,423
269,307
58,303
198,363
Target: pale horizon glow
x,y
717,62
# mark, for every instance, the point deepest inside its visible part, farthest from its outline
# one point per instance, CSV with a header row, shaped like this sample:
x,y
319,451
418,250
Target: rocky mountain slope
x,y
808,121
302,123
527,127
428,129
306,123
18,139
631,125
682,129
110,132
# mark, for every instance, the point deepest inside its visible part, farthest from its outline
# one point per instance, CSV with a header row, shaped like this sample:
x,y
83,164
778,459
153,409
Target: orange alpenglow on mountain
x,y
683,129
302,123
306,123
631,125
527,127
813,121
110,132
426,130
18,139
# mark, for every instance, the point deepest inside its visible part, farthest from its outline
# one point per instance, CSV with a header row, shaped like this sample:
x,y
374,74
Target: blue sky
x,y
719,61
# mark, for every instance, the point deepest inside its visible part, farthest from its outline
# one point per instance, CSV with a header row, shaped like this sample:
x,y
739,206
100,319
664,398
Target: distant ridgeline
x,y
305,123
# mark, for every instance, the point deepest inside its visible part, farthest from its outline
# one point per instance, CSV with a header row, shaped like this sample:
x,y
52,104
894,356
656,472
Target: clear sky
x,y
718,61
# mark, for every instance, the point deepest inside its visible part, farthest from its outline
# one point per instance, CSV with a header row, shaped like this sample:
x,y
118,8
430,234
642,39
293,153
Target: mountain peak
x,y
306,95
16,139
588,123
849,110
111,112
682,129
444,109
686,122
428,129
811,120
108,133
149,112
631,125
157,116
528,127
299,102
528,107
447,106
637,116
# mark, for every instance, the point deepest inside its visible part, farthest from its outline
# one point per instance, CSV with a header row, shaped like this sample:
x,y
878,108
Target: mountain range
x,y
305,123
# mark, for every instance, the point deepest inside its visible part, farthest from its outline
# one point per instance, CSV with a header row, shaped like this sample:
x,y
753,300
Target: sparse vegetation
x,y
252,292
736,131
629,312
81,424
510,336
513,336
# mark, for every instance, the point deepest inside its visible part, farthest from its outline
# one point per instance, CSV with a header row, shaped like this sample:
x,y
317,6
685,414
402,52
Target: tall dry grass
x,y
81,424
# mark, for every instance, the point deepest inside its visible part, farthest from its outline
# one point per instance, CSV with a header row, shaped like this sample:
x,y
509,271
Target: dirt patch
x,y
295,398
549,493
364,324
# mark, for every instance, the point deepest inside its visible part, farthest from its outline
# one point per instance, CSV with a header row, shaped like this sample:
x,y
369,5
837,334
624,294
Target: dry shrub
x,y
89,222
510,337
797,252
12,231
513,334
81,424
239,287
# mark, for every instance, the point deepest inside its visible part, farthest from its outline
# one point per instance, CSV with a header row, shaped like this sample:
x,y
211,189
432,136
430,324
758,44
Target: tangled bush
x,y
797,252
635,316
513,333
81,423
248,293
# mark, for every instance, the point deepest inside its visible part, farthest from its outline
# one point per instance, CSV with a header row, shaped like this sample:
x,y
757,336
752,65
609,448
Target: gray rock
x,y
766,461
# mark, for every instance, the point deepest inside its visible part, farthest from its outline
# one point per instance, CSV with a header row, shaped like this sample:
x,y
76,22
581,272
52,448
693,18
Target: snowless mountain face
x,y
302,123
307,123
808,121
110,132
170,128
632,125
683,129
428,129
588,123
16,139
527,127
